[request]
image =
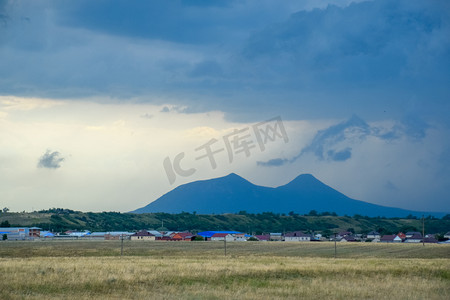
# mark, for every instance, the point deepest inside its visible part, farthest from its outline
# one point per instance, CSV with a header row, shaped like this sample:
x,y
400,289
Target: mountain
x,y
232,193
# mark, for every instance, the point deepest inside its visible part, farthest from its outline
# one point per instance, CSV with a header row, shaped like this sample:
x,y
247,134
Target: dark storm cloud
x,y
3,15
276,162
50,160
340,155
354,129
332,143
167,20
177,109
369,55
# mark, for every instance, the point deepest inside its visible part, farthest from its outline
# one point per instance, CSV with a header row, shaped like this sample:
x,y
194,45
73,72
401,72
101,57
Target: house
x,y
240,237
155,233
175,236
413,233
416,238
341,234
398,239
401,235
447,235
181,236
187,236
142,236
297,236
430,240
276,236
348,238
15,233
208,234
373,235
222,236
263,237
390,239
34,232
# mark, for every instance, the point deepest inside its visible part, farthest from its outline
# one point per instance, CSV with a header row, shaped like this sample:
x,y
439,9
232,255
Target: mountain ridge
x,y
233,193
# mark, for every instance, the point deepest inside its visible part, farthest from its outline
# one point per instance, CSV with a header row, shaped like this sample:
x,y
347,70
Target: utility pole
x,y
335,245
423,230
121,245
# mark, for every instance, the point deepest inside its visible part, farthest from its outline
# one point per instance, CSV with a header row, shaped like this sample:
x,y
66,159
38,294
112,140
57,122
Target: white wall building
x,y
297,236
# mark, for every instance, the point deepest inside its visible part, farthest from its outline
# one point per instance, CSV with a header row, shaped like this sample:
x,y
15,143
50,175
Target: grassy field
x,y
199,270
83,248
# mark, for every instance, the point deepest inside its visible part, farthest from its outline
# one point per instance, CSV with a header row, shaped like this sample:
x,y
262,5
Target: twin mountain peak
x,y
232,193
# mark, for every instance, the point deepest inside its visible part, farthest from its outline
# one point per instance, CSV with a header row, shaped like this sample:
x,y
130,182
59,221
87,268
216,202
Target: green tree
x,y
5,236
440,237
382,230
327,233
406,228
410,216
5,224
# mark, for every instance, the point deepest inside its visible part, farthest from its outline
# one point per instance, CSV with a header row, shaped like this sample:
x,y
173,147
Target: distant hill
x,y
60,220
232,193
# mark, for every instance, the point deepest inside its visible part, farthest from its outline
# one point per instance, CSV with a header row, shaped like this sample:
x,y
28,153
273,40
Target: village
x,y
37,234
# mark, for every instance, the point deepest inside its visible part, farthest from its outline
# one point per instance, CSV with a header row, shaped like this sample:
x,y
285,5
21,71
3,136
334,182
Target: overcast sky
x,y
107,105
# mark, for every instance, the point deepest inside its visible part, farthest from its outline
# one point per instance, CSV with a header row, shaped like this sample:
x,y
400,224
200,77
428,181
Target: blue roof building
x,y
16,233
209,234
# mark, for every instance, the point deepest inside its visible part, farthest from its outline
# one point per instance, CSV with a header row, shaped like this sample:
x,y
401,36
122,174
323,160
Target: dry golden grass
x,y
86,270
195,249
218,278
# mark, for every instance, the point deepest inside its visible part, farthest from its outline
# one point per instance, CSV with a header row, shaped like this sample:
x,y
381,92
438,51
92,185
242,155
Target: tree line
x,y
327,223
